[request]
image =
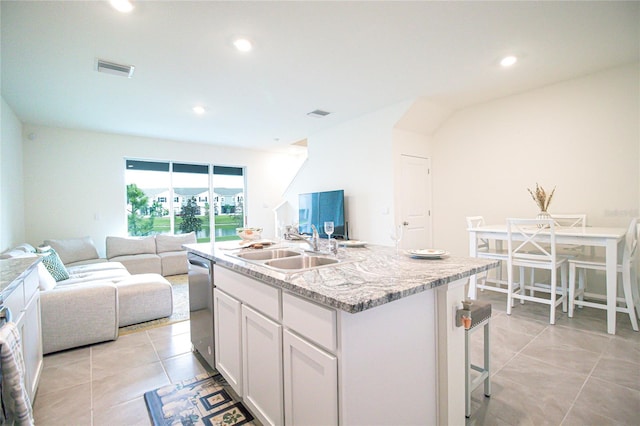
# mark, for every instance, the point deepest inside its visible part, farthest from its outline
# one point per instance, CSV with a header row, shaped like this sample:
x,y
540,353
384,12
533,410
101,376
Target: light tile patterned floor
x,y
572,373
104,384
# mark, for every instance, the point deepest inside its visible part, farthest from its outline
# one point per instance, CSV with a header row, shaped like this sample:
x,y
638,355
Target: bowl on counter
x,y
249,233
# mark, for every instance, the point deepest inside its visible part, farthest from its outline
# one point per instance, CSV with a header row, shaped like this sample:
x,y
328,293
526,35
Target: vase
x,y
543,215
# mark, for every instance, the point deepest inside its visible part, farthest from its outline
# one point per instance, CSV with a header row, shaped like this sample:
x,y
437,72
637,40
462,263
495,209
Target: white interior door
x,y
415,202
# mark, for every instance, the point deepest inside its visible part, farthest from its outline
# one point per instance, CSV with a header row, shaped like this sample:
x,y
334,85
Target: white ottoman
x,y
144,297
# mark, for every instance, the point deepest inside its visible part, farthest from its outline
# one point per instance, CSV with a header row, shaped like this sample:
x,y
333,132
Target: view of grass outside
x,y
158,191
225,224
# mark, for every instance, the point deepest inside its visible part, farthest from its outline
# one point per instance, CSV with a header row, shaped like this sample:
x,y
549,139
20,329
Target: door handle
x,y
405,223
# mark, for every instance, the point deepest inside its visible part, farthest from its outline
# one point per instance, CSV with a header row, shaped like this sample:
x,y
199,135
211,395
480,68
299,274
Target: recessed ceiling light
x,y
243,45
198,109
508,61
124,6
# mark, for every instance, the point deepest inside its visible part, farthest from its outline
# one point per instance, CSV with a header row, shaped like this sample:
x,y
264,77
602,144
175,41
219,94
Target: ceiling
x,y
348,58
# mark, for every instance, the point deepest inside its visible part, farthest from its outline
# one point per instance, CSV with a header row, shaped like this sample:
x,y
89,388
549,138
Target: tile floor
x,y
572,373
104,384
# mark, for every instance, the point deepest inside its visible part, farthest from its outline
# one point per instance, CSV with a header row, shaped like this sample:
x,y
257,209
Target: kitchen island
x,y
369,340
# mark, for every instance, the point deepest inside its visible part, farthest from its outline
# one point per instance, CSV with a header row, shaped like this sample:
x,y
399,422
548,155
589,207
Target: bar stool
x,y
480,316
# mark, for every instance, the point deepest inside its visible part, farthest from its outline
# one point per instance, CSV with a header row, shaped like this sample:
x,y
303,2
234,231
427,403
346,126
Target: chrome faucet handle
x,y
333,247
314,238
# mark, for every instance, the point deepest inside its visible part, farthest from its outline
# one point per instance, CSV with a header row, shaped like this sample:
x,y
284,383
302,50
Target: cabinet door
x,y
228,349
310,383
32,344
262,355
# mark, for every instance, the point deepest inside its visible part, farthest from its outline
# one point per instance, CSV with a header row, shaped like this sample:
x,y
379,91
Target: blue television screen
x,y
318,207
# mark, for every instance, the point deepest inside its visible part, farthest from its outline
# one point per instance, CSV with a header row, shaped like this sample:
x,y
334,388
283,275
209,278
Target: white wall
x,y
413,136
356,156
12,228
580,135
74,180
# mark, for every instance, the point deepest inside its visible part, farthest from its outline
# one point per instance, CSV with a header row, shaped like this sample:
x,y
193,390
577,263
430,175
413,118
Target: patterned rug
x,y
204,400
180,288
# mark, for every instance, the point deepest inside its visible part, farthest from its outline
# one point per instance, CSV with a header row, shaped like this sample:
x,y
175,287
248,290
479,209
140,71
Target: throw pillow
x,y
54,265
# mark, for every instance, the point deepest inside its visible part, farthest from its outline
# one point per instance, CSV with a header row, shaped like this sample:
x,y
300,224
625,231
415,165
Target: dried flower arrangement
x,y
540,197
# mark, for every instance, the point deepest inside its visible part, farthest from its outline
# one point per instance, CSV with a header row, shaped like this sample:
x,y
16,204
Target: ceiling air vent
x,y
318,113
115,69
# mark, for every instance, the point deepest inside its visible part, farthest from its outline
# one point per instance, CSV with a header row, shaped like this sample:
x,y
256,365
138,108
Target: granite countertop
x,y
368,277
12,270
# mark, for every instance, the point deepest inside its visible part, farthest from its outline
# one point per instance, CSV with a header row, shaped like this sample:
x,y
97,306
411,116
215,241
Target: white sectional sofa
x,y
96,299
161,254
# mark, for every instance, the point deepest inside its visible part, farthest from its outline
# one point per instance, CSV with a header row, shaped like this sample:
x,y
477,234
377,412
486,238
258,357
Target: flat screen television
x,y
319,207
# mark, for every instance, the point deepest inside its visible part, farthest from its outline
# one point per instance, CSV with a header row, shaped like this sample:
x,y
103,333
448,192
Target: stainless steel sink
x,y
267,254
286,260
301,262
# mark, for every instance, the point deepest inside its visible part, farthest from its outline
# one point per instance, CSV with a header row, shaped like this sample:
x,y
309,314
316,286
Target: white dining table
x,y
609,238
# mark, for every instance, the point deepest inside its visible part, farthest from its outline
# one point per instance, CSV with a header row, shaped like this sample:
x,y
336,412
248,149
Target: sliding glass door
x,y
175,198
148,197
228,201
191,200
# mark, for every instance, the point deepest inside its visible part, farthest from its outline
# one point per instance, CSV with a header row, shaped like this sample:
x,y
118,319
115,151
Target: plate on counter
x,y
428,253
352,243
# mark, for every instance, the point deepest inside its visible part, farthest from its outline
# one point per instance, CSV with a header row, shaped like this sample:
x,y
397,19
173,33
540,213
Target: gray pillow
x,y
127,246
168,242
74,249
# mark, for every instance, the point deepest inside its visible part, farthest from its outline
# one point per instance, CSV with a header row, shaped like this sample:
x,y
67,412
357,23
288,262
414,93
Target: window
x,y
190,181
147,181
169,197
228,182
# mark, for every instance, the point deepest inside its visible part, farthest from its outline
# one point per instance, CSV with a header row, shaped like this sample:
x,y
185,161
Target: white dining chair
x,y
531,243
626,267
572,220
486,250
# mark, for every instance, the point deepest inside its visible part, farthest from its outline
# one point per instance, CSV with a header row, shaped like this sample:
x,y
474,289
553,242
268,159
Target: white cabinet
x,y
249,342
310,383
32,344
262,366
24,303
305,363
227,311
310,367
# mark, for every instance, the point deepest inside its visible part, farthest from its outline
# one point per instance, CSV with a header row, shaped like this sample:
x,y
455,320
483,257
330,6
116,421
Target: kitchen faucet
x,y
293,234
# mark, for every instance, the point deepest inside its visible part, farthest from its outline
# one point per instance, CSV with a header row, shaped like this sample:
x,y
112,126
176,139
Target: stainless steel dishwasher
x,y
201,307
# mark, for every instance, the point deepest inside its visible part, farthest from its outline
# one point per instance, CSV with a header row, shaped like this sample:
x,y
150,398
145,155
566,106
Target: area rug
x,y
204,400
180,288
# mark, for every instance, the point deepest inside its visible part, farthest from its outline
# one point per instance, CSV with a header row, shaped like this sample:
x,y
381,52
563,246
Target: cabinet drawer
x,y
313,321
260,296
15,302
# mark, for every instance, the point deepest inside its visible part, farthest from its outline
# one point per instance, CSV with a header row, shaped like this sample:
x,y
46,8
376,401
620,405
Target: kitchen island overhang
x,y
396,332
